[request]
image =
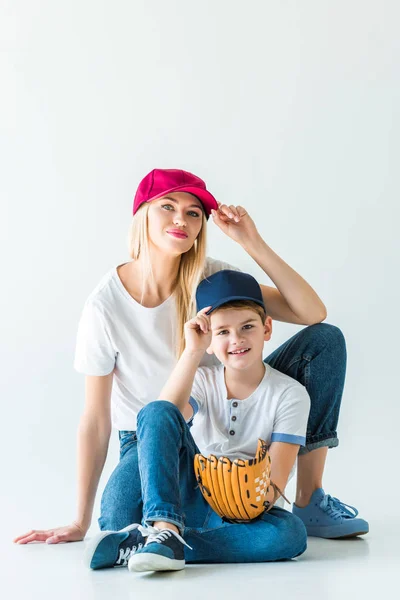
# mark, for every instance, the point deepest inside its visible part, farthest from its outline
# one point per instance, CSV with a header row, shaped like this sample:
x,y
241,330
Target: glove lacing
x,y
277,492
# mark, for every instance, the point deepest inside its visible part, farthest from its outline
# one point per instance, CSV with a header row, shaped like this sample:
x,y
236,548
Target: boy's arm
x,y
179,385
283,456
289,432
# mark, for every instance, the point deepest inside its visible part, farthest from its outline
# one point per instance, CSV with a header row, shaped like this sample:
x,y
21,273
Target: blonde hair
x,y
243,304
190,272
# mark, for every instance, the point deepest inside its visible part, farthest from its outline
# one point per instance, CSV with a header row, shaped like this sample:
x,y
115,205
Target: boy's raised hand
x,y
198,332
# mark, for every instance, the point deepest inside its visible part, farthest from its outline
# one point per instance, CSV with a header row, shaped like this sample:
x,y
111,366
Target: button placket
x,y
234,404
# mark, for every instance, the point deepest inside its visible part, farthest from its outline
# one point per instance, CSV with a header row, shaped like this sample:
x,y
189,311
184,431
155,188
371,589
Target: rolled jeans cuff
x,y
330,442
164,516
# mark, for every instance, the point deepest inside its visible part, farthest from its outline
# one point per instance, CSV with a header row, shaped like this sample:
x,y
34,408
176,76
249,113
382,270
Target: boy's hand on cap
x,y
198,332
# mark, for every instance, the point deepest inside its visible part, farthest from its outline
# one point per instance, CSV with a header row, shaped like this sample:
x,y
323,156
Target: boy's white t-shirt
x,y
118,334
277,411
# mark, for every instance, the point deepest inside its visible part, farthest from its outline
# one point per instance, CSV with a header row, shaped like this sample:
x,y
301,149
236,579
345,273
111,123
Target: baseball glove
x,y
237,490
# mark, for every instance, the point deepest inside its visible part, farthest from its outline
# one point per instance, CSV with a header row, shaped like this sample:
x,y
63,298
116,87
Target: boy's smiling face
x,y
238,337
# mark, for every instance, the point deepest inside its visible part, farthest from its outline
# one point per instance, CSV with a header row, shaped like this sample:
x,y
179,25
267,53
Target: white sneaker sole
x,y
154,562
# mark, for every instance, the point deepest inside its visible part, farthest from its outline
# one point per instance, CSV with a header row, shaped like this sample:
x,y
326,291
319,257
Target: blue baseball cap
x,y
226,286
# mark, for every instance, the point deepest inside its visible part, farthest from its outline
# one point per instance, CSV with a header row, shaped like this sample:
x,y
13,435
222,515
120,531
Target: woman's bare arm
x,y
93,439
294,300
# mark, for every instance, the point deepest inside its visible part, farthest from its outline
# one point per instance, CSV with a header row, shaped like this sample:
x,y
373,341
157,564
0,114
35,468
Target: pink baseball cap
x,y
161,182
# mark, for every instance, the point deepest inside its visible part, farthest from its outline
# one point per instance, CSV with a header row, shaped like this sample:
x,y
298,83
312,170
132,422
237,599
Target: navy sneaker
x,y
163,551
327,517
114,548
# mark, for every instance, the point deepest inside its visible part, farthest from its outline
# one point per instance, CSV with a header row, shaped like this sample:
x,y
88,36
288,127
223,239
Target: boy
x,y
231,406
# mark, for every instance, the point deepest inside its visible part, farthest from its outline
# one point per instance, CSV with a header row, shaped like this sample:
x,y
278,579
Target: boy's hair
x,y
241,304
190,273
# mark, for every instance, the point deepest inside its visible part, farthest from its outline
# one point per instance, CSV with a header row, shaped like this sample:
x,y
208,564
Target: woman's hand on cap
x,y
235,222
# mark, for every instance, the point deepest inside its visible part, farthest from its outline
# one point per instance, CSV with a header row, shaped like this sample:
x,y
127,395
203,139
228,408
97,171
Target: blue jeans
x,y
316,357
162,450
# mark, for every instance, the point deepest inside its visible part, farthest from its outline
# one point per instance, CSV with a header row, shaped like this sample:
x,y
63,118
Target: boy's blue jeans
x,y
157,462
154,479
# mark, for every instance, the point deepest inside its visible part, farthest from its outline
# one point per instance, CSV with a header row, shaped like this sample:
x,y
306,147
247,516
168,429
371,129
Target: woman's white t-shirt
x,y
118,334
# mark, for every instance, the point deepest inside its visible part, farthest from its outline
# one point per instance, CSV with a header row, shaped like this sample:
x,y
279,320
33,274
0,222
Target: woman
x,y
127,356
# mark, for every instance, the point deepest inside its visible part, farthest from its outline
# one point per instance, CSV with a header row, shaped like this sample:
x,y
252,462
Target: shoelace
x,y
337,509
124,555
155,535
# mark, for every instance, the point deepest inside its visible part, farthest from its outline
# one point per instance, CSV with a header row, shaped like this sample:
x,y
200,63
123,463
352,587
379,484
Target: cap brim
x,y
232,299
208,201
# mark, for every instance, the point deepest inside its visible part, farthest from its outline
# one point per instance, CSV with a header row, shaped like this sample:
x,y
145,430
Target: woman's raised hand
x,y
69,533
235,222
198,332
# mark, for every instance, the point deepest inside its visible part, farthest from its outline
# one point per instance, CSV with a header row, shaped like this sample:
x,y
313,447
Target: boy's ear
x,y
210,349
267,329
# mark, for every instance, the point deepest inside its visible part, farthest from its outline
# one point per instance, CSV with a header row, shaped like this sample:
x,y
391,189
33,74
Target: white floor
x,y
363,568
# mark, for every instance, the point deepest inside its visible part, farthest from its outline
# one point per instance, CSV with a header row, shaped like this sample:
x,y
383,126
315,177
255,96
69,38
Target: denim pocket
x,y
126,440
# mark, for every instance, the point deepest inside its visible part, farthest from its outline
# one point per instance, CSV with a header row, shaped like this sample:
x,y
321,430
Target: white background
x,y
288,108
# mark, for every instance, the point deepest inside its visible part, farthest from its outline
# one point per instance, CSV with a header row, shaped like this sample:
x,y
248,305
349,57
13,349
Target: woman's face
x,y
174,222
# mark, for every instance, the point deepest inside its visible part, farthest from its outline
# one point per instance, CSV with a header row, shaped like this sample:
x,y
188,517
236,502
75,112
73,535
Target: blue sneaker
x,y
327,517
114,548
163,551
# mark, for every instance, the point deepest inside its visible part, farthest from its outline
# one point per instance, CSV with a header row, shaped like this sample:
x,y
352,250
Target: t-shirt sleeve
x,y
198,394
94,353
290,423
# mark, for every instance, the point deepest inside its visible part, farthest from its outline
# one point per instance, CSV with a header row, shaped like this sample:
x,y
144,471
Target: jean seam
x,y
307,373
126,440
124,449
330,442
308,358
165,516
320,437
203,529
